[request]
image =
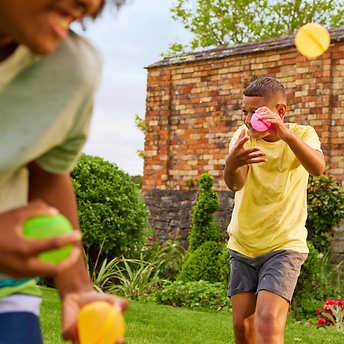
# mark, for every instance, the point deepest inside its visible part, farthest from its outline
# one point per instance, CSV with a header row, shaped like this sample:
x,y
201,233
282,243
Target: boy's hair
x,y
265,86
117,3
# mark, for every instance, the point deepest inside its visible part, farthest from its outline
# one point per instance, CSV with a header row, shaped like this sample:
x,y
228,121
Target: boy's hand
x,y
278,127
19,255
72,304
240,156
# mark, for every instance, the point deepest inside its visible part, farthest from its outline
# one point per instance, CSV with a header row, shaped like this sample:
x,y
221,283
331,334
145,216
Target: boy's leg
x,y
243,306
277,280
271,316
19,323
19,328
242,290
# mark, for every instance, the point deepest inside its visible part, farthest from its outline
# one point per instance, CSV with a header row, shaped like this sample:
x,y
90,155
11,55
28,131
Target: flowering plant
x,y
332,314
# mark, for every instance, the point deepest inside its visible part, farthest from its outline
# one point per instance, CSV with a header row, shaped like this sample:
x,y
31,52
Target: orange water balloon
x,y
100,323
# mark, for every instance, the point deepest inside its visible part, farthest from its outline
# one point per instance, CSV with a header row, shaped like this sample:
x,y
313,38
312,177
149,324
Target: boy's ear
x,y
281,109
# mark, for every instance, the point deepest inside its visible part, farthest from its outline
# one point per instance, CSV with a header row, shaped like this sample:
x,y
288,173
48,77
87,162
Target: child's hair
x,y
117,3
265,86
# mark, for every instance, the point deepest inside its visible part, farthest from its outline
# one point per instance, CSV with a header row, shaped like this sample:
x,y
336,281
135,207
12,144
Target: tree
x,y
225,22
140,124
204,225
207,256
112,213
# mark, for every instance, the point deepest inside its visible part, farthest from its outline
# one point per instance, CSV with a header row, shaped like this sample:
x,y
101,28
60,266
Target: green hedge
x,y
204,226
111,210
210,262
200,294
325,210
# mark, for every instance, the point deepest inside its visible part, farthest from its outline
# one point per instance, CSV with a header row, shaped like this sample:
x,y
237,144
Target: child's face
x,y
250,105
41,24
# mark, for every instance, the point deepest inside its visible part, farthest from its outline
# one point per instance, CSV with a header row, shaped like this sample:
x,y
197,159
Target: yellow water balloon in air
x,y
312,40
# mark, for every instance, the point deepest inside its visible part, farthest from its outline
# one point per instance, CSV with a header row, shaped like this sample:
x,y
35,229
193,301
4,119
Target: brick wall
x,y
193,105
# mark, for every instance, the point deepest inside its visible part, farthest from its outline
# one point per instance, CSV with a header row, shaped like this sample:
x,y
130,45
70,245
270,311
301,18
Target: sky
x,y
129,40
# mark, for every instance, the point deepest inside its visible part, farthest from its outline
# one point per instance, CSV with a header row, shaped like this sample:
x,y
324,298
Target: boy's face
x,y
41,24
251,104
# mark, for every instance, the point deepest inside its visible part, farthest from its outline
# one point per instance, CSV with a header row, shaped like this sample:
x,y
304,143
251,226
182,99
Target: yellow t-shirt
x,y
270,211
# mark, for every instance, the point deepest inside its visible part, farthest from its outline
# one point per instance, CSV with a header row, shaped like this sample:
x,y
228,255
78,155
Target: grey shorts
x,y
276,272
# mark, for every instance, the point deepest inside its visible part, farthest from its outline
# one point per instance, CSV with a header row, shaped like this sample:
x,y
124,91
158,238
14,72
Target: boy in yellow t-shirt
x,y
269,172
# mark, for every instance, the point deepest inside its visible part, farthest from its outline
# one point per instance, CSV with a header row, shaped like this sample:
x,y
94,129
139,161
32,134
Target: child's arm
x,y
19,255
237,161
311,159
74,284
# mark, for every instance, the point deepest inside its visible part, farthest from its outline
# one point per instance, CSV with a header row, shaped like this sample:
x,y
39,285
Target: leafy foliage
x,y
140,124
131,278
204,227
306,298
111,210
135,278
169,253
224,22
205,259
206,263
200,294
319,280
325,210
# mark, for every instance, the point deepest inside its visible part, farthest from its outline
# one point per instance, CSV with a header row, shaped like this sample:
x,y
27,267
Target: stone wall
x,y
171,212
338,245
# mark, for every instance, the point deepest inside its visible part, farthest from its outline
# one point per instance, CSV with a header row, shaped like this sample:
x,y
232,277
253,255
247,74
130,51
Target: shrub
x,y
206,263
135,278
110,209
306,297
224,264
169,253
325,210
199,294
319,280
131,278
204,226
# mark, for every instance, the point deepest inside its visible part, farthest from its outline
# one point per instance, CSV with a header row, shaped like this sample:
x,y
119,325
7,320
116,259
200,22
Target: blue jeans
x,y
20,328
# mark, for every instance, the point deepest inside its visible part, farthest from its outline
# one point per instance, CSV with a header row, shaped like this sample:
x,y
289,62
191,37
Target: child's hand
x,y
72,304
278,127
19,255
240,156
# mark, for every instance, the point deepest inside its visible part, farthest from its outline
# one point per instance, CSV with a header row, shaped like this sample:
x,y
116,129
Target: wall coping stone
x,y
337,35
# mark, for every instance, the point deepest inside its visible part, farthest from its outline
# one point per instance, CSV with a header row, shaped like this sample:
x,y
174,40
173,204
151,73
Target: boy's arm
x,y
57,191
74,284
235,178
237,161
311,159
19,255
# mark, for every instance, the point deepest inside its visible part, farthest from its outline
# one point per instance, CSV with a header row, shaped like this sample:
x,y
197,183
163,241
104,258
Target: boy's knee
x,y
243,327
268,324
238,325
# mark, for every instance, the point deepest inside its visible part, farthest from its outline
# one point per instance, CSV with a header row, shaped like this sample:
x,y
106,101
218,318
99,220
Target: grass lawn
x,y
149,323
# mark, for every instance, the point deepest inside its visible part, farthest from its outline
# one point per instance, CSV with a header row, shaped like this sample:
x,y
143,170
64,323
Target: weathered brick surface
x,y
194,106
